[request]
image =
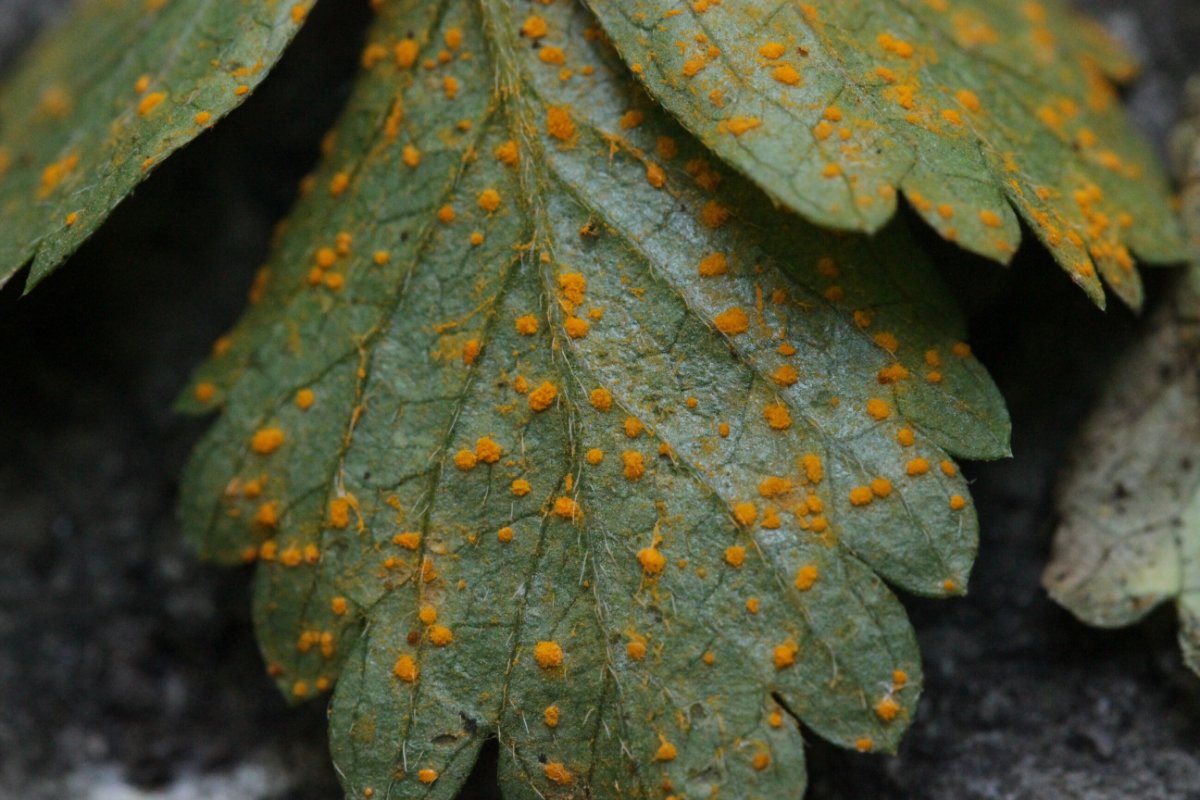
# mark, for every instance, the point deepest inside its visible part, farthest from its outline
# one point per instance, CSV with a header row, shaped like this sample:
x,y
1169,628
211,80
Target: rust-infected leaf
x,y
105,97
544,426
980,112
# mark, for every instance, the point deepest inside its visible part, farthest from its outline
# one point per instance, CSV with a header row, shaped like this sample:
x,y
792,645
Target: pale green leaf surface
x,y
1129,538
377,520
106,96
979,111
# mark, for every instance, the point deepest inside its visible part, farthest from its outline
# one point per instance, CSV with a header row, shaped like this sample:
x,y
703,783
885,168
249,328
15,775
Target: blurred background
x,y
129,670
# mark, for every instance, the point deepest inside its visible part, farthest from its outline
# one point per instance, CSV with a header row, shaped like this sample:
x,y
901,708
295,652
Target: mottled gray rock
x,y
129,670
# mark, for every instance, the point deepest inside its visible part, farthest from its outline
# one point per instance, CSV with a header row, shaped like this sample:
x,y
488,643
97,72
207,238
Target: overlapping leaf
x,y
1130,532
543,426
105,97
979,111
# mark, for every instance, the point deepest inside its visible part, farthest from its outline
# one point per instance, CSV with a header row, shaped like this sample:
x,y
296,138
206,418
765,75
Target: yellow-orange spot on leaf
x,y
489,200
535,27
887,341
785,375
917,466
745,513
772,50
527,324
713,215
732,321
543,396
405,52
338,184
861,495
559,123
411,156
507,153
567,508
572,286
487,450
575,327
968,100
878,409
712,265
740,125
267,515
557,773
636,647
774,486
150,102
339,512
440,635
631,119
990,218
267,440
814,470
777,416
652,560
548,655
634,464
409,540
787,75
806,577
552,55
784,655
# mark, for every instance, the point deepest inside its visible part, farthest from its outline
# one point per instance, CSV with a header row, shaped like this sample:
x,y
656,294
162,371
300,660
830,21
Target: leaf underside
x,y
511,465
980,111
1129,538
105,97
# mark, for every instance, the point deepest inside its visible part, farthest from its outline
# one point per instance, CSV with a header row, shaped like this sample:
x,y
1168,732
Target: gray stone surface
x,y
129,670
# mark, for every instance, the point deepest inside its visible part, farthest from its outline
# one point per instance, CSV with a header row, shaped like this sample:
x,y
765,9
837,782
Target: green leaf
x,y
1130,503
102,99
511,466
979,111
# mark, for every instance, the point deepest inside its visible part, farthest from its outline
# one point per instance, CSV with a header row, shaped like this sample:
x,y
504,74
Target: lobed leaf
x,y
105,97
981,112
542,426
